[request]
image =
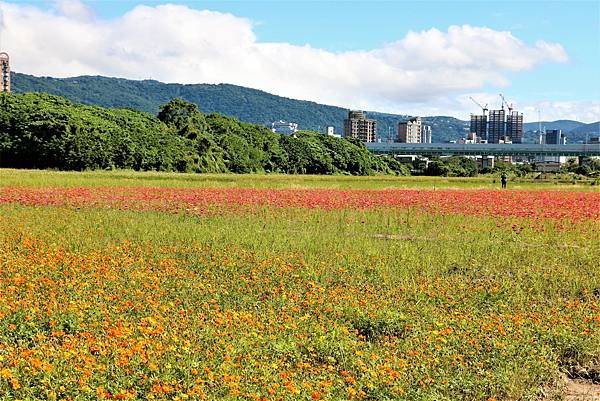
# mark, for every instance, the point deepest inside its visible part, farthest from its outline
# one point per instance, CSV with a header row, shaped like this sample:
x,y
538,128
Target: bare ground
x,y
581,390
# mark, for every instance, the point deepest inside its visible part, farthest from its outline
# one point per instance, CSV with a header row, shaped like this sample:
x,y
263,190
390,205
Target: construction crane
x,y
504,102
483,108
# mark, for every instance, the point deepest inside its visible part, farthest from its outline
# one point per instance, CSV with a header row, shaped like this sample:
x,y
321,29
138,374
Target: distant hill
x,y
592,129
575,131
245,104
565,125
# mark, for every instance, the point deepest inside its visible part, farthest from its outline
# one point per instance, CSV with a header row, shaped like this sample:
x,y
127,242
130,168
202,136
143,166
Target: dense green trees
x,y
586,166
46,131
452,167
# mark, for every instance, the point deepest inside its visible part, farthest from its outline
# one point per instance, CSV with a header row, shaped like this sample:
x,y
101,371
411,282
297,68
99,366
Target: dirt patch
x,y
565,388
581,390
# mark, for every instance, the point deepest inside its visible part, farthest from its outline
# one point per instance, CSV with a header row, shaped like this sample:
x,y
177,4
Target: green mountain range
x,y
251,105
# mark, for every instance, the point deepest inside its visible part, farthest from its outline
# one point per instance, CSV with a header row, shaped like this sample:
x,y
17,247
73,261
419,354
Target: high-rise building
x,y
426,134
5,71
410,131
514,126
479,126
555,137
284,128
357,125
496,125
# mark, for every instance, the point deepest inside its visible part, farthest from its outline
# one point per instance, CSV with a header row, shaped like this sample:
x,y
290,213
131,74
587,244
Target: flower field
x,y
220,293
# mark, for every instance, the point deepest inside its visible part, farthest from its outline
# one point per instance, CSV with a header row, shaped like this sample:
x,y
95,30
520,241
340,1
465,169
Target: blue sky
x,y
559,78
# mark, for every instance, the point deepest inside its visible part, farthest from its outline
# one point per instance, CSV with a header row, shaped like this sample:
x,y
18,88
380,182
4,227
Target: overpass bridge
x,y
483,149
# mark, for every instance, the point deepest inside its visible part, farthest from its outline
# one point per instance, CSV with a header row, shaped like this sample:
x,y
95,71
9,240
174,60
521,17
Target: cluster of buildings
x,y
358,126
413,131
496,126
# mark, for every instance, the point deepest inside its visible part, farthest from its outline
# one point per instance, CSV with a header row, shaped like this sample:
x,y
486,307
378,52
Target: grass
x,y
289,303
46,178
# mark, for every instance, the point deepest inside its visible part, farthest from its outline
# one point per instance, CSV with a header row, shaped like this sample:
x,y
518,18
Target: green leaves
x,y
39,130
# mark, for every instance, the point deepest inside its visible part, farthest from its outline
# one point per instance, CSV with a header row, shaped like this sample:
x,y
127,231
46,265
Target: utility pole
x,y
540,126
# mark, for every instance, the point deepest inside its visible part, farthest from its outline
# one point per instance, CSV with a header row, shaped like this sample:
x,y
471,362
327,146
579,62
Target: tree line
x,y
39,130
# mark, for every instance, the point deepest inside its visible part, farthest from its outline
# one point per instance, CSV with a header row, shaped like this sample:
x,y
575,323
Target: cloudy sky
x,y
417,58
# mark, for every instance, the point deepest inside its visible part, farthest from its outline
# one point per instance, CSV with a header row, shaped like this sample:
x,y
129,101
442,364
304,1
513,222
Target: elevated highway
x,y
487,149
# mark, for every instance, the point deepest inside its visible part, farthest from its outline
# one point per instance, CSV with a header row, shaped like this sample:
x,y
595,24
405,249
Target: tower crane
x,y
483,108
504,102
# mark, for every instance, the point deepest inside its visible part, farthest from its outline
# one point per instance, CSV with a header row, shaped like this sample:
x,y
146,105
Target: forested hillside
x,y
39,130
245,104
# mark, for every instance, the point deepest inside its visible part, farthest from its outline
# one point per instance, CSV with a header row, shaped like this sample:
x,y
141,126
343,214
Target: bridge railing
x,y
488,149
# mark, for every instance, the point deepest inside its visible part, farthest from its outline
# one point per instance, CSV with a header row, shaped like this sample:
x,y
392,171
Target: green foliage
x,y
589,167
313,153
184,117
382,325
396,166
452,167
518,170
46,131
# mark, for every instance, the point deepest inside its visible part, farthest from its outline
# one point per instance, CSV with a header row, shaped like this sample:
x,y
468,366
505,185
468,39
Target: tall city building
x,y
284,128
5,71
410,131
555,137
426,134
514,126
357,125
496,125
479,126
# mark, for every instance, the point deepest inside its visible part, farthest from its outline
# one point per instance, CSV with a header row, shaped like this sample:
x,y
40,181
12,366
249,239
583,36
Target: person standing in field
x,y
503,179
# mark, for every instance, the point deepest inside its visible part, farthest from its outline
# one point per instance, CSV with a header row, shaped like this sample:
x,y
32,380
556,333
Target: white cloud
x,y
568,110
462,106
174,43
74,9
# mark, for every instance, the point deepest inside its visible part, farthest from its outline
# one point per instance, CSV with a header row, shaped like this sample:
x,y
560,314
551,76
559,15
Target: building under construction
x,y
5,67
479,126
514,126
496,126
